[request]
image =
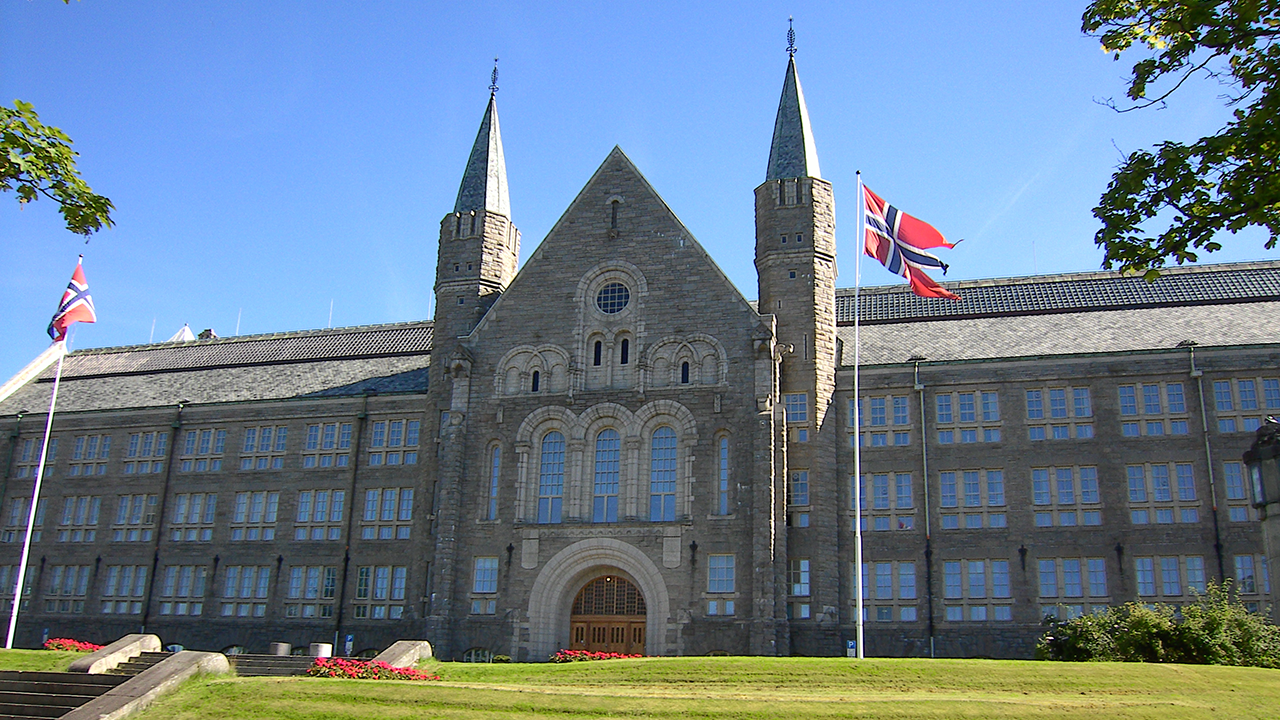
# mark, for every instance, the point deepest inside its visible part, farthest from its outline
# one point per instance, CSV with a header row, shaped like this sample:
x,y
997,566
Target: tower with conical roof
x,y
796,268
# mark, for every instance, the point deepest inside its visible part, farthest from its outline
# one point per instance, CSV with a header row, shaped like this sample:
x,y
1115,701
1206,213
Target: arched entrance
x,y
608,616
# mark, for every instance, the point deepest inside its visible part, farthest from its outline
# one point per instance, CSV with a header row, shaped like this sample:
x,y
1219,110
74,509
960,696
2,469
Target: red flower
x,y
70,645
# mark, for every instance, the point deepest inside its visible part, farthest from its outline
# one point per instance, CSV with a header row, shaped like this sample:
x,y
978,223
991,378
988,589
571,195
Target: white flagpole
x,y
35,500
857,414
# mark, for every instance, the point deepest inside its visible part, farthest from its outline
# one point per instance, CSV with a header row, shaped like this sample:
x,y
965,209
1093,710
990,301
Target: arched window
x,y
684,373
662,476
551,479
535,381
495,464
722,483
625,353
608,447
613,214
599,353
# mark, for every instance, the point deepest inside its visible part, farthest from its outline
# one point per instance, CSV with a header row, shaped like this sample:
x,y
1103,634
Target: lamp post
x,y
1262,462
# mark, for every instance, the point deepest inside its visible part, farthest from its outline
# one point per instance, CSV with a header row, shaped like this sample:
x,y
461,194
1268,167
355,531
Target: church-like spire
x,y
793,154
484,184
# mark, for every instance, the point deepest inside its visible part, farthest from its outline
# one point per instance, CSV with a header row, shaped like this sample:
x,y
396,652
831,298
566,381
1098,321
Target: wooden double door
x,y
608,616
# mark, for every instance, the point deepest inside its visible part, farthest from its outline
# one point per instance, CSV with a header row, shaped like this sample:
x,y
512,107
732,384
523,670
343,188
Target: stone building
x,y
612,448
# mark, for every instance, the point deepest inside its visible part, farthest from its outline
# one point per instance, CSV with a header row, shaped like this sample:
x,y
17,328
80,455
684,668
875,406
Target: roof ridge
x,y
233,339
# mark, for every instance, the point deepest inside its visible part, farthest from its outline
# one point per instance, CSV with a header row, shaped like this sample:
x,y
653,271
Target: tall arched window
x,y
722,483
625,354
684,373
662,476
495,464
608,446
598,353
551,479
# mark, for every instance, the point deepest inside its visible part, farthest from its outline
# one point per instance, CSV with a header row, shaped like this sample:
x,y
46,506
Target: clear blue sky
x,y
267,157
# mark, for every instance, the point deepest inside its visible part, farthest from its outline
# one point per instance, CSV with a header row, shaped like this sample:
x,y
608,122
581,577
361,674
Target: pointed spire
x,y
484,184
793,153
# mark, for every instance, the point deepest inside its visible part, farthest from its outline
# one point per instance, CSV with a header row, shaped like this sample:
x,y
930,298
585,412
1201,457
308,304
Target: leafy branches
x,y
1225,181
37,160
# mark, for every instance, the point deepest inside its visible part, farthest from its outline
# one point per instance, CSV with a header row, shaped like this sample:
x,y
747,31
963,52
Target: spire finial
x,y
791,38
493,79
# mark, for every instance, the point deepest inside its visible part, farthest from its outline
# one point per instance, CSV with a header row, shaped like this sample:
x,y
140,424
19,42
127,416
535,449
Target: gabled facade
x,y
611,448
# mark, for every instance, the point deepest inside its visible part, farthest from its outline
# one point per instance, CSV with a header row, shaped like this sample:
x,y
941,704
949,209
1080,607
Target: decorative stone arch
x,y
648,419
520,361
666,355
652,414
553,591
528,446
593,325
591,417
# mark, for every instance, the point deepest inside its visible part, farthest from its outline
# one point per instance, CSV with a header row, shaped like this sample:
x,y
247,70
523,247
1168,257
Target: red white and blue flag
x,y
76,305
900,241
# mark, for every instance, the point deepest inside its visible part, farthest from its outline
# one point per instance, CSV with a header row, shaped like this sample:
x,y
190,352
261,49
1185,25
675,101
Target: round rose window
x,y
612,298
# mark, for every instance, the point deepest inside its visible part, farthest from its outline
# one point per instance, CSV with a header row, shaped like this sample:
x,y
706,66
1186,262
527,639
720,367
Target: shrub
x,y
563,656
364,670
70,645
501,658
1216,629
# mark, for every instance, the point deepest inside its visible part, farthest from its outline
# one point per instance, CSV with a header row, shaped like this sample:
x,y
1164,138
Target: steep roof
x,y
793,153
484,182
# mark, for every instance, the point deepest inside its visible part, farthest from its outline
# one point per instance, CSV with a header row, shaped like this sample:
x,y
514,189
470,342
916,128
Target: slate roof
x,y
792,154
381,359
1078,292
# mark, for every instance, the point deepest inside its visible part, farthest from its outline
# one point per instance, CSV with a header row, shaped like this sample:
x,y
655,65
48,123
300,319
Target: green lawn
x,y
42,660
791,688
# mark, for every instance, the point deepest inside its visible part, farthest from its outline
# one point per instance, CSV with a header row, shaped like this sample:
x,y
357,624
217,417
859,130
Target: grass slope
x,y
37,660
791,688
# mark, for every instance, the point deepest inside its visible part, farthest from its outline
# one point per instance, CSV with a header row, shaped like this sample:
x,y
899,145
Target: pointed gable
x,y
484,183
793,153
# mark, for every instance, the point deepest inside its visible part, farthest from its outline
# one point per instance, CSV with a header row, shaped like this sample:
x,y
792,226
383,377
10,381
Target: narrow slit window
x,y
624,356
598,353
684,373
613,215
534,382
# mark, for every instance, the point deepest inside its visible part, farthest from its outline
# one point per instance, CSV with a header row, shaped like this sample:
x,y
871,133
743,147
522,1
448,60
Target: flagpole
x,y
35,500
857,414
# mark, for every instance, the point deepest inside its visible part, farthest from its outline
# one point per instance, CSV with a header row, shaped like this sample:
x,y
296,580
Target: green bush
x,y
1216,629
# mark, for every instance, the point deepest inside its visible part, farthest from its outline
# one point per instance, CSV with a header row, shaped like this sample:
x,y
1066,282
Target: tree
x,y
37,159
1226,181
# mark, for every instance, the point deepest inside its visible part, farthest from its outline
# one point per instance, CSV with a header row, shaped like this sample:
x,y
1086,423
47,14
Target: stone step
x,y
56,699
30,711
139,663
270,665
60,677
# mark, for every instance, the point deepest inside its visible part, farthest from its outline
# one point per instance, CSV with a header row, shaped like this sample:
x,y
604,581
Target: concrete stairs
x,y
139,663
270,665
49,694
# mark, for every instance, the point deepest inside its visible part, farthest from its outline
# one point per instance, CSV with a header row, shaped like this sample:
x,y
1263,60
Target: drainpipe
x,y
160,509
1198,375
928,531
351,518
13,448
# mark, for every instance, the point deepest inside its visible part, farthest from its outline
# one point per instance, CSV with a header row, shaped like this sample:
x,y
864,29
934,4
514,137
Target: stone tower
x,y
796,266
479,250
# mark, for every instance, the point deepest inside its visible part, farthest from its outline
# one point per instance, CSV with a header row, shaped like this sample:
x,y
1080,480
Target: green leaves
x,y
1226,181
37,159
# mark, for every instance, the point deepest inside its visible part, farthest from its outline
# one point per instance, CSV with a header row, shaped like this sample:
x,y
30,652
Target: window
x,y
608,454
490,511
328,445
1066,496
311,591
798,490
145,454
388,514
796,406
1238,506
1250,573
193,516
662,475
319,514
1237,405
79,519
254,517
972,499
1069,413
68,585
1154,499
135,518
722,484
16,520
798,577
958,416
123,589
1163,409
376,585
885,411
87,449
245,590
486,575
551,478
202,450
720,579
887,503
28,460
393,442
1169,577
182,592
976,590
1063,583
264,447
613,298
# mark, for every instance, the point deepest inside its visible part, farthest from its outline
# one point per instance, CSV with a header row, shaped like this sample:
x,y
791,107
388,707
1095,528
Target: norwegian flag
x,y
76,305
899,242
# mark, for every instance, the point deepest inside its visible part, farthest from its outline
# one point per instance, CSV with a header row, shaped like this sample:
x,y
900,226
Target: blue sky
x,y
267,158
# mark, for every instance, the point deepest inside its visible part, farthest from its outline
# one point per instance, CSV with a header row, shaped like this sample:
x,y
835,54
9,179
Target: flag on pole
x,y
76,305
900,241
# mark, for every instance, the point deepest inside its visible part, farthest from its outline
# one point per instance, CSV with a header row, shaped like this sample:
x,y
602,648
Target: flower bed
x,y
563,656
70,645
364,670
